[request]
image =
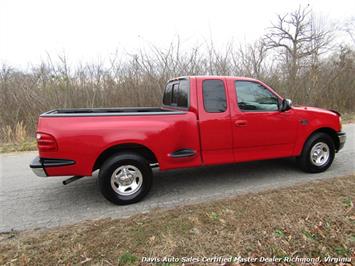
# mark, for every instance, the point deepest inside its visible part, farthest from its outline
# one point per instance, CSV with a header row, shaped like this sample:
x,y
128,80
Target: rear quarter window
x,y
167,94
176,93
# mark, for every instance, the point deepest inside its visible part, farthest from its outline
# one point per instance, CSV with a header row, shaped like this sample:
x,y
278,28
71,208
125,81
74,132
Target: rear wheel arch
x,y
127,147
125,178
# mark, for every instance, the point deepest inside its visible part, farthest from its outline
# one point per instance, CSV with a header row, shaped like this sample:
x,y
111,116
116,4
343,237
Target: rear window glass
x,y
214,96
176,93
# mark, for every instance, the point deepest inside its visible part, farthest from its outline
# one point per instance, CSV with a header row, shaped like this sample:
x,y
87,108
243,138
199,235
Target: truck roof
x,y
213,76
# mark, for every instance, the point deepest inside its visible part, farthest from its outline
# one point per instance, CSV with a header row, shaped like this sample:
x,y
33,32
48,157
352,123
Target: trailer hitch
x,y
71,179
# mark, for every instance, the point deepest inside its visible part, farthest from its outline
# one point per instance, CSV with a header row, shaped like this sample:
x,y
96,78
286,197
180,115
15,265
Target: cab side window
x,y
214,96
253,96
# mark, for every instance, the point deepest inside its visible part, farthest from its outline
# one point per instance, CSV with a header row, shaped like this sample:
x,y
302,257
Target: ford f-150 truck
x,y
204,120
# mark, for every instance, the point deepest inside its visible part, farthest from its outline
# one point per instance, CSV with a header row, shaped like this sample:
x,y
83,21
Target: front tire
x,y
125,178
318,153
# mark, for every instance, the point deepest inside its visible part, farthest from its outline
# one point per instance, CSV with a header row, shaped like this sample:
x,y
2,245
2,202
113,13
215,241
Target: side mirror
x,y
285,105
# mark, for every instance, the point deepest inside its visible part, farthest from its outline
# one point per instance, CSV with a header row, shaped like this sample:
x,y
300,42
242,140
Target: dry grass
x,y
16,139
316,219
26,145
15,134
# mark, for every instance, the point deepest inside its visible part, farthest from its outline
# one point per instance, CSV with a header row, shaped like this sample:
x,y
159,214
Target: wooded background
x,y
300,57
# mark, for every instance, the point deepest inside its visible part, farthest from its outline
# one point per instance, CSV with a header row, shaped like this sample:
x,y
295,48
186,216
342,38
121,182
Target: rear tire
x,y
318,153
125,178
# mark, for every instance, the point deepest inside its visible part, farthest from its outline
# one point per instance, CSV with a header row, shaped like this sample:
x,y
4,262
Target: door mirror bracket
x,y
285,105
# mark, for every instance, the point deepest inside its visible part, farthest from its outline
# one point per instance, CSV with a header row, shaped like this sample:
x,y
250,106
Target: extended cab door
x,y
214,121
260,130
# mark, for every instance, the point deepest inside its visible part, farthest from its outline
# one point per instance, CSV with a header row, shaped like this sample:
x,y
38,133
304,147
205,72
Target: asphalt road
x,y
28,201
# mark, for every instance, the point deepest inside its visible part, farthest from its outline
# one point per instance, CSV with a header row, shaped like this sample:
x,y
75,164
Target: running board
x,y
71,179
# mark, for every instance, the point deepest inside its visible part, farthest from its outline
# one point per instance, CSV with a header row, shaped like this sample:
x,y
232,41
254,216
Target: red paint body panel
x,y
217,138
83,139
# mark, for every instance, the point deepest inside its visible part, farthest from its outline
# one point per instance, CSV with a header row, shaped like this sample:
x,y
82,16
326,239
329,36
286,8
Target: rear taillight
x,y
46,142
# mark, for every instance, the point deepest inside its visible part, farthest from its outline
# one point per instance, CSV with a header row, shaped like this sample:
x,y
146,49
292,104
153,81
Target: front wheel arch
x,y
304,160
327,130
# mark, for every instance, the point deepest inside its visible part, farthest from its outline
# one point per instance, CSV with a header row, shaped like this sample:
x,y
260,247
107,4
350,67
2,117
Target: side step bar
x,y
71,179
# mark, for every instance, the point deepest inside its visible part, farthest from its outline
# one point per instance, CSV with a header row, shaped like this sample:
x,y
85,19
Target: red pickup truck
x,y
204,120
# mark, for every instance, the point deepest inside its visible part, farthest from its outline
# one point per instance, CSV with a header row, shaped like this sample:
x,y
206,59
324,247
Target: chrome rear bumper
x,y
38,168
39,165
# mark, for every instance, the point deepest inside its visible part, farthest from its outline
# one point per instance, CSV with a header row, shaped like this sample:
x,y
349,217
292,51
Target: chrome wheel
x,y
320,154
126,180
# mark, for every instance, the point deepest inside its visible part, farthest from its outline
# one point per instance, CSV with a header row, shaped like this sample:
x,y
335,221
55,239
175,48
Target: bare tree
x,y
299,37
250,59
349,28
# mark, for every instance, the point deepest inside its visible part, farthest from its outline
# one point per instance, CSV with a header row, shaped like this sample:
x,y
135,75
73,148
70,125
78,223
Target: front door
x,y
260,130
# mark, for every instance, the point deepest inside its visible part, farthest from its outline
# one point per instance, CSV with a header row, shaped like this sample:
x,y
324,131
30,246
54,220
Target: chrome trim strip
x,y
111,114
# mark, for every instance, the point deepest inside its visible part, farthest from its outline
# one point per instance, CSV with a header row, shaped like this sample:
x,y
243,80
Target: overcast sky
x,y
94,30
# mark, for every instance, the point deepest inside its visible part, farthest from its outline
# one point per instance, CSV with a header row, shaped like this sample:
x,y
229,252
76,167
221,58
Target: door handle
x,y
241,123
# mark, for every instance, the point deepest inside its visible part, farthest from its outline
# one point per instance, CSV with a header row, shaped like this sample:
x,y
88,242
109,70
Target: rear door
x,y
214,121
260,130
